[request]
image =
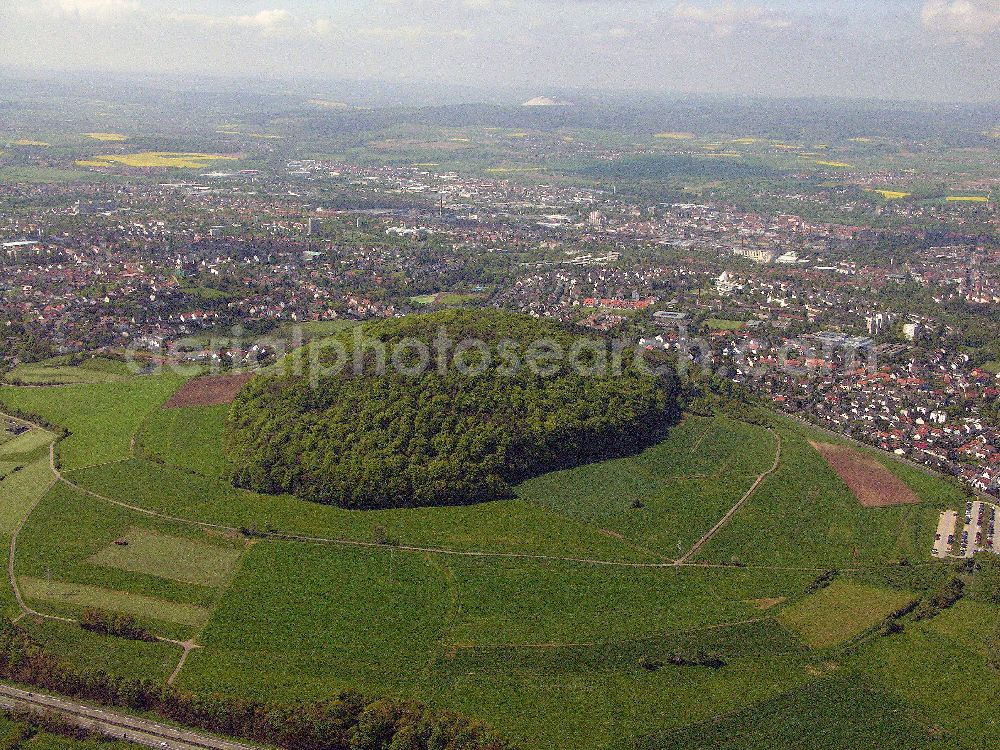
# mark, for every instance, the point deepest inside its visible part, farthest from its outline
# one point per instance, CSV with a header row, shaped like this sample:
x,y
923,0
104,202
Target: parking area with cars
x,y
966,534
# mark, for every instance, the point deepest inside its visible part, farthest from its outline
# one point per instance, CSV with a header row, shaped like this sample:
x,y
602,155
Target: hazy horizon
x,y
911,50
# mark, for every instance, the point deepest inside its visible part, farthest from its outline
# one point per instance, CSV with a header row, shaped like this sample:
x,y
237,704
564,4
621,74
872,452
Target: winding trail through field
x,y
27,611
739,504
683,562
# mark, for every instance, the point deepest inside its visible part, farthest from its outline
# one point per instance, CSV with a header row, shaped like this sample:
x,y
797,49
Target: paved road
x,y
112,724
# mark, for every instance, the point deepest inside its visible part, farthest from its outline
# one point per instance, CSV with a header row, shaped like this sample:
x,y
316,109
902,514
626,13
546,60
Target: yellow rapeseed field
x,y
675,136
155,159
968,198
29,142
835,164
892,195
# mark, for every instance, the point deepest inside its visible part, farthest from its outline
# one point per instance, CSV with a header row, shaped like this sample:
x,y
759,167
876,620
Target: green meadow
x,y
557,615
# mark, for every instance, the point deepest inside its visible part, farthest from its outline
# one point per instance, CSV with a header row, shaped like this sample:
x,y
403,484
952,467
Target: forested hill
x,y
456,423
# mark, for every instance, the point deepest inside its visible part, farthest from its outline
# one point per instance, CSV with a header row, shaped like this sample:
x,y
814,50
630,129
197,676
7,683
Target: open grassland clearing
x,y
719,324
840,611
298,622
172,557
872,483
21,490
90,651
515,602
309,620
188,438
26,442
666,497
77,596
514,526
445,299
841,712
102,417
939,666
61,371
805,515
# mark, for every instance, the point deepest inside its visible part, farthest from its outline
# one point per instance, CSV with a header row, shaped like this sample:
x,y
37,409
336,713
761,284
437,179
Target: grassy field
x,y
665,498
77,595
171,557
21,490
552,652
26,442
102,417
447,299
297,623
805,515
96,370
836,713
841,611
188,438
89,650
718,324
510,526
939,667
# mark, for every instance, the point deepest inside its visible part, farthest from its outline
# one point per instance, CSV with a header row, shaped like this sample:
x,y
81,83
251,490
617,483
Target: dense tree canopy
x,y
474,419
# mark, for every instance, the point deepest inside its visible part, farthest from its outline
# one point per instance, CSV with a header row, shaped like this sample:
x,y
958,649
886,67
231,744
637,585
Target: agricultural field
x,y
155,160
840,611
804,514
871,483
102,417
554,615
60,372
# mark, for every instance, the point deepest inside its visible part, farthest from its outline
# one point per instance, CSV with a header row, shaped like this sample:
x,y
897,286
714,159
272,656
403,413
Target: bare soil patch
x,y
209,390
871,483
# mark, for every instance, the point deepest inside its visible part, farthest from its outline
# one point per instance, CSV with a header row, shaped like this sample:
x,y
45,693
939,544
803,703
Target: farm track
x,y
26,611
739,504
683,562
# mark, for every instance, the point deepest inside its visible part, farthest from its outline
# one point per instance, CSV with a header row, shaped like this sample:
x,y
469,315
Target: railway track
x,y
113,724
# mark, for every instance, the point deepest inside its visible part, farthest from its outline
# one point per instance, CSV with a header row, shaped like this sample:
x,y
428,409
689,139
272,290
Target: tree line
x,y
346,721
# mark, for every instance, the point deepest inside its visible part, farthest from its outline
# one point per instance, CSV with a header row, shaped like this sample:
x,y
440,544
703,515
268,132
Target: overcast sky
x,y
917,49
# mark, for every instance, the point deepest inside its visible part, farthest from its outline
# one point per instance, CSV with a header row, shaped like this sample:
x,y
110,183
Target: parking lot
x,y
959,536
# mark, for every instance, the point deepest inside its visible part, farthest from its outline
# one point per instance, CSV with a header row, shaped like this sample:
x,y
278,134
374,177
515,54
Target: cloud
x,y
971,20
90,9
728,17
267,21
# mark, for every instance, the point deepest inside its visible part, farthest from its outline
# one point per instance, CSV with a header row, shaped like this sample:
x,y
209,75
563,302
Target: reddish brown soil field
x,y
209,390
872,484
